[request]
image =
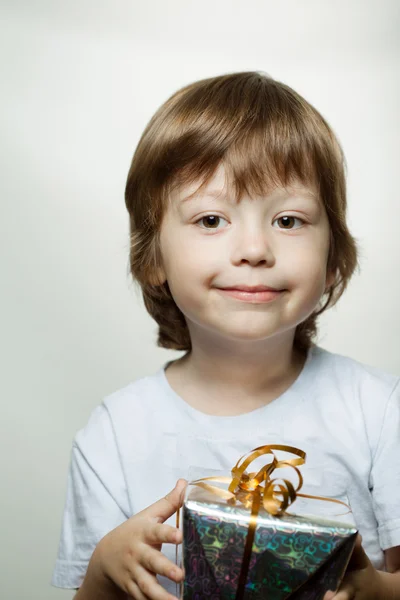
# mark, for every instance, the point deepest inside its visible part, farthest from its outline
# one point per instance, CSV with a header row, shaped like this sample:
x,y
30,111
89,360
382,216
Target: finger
x,y
149,585
359,560
163,534
156,562
345,592
134,591
167,506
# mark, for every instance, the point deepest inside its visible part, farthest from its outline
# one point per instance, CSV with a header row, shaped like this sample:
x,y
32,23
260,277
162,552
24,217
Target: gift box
x,y
240,542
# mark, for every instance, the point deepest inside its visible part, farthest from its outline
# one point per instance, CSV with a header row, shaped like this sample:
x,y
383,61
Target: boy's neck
x,y
235,381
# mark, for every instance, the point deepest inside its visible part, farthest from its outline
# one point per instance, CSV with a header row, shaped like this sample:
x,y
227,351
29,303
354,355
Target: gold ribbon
x,y
257,489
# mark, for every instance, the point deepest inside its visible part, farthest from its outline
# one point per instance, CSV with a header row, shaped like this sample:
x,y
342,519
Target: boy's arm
x,y
97,594
96,586
392,559
391,578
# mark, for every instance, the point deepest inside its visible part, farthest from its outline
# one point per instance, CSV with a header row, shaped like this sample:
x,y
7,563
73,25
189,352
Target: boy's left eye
x,y
211,221
288,222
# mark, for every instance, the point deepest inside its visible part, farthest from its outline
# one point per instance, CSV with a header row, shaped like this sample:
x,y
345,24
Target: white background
x,y
80,79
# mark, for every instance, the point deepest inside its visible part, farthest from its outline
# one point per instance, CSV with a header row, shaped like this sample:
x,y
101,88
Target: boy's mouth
x,y
252,289
254,294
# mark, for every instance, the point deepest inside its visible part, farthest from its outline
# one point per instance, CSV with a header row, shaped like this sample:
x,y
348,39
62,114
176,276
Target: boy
x,y
237,204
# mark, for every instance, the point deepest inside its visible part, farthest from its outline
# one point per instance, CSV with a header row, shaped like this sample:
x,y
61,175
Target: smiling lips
x,y
249,288
258,293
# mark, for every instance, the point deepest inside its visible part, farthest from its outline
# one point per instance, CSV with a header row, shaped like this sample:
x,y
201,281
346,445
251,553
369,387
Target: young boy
x,y
237,204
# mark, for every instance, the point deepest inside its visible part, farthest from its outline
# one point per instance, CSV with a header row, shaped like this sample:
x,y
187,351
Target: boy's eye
x,y
285,222
211,221
288,222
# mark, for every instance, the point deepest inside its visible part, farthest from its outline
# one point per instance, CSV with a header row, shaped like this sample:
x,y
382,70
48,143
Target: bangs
x,y
262,132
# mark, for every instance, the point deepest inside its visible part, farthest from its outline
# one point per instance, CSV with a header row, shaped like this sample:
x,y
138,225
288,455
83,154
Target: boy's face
x,y
211,245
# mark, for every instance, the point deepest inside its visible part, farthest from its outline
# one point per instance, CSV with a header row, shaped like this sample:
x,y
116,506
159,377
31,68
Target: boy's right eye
x,y
211,221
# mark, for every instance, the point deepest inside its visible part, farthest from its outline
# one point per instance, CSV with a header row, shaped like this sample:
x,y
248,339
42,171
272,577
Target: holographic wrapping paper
x,y
296,557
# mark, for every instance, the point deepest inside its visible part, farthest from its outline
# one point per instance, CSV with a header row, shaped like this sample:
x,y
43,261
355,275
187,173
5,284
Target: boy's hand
x,y
130,555
362,580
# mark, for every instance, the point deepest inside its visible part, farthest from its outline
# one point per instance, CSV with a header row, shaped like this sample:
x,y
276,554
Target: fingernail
x,y
175,537
175,573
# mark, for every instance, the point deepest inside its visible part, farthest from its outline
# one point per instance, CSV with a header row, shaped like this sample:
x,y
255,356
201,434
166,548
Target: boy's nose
x,y
254,248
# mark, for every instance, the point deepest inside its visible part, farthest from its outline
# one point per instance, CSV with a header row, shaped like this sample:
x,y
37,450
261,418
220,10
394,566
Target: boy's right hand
x,y
130,555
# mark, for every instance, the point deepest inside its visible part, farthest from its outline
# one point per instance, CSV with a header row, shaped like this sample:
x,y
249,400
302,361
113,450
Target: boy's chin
x,y
247,336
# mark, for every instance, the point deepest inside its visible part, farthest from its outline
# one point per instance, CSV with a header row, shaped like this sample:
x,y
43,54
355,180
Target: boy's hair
x,y
264,134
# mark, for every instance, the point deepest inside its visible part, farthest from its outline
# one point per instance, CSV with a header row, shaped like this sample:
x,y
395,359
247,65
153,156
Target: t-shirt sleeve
x,y
385,474
96,499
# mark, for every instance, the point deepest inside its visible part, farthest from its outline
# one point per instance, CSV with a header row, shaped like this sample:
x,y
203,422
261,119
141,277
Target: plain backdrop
x,y
80,80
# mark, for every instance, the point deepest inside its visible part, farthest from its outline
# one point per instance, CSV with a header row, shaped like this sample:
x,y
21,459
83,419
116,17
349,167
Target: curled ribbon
x,y
243,486
257,489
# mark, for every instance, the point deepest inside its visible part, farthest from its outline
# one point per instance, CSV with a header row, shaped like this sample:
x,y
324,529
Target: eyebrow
x,y
222,195
209,194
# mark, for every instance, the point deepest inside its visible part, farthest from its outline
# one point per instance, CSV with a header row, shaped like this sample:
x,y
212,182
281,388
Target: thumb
x,y
167,506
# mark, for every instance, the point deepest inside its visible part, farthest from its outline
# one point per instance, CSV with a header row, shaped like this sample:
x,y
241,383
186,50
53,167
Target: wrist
x,y
95,588
97,584
388,586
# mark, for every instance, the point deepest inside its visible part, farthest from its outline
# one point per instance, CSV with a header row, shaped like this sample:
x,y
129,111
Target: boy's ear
x,y
330,279
157,277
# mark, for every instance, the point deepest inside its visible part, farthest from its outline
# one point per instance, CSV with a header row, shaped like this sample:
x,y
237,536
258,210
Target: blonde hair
x,y
265,134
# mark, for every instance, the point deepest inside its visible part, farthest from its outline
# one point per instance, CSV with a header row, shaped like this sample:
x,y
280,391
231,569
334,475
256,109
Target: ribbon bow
x,y
244,486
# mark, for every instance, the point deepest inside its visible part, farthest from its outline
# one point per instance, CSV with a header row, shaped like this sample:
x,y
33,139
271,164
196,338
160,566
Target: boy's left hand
x,y
362,580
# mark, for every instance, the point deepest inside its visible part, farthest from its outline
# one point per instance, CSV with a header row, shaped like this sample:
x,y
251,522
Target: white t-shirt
x,y
142,438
